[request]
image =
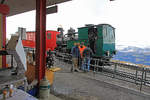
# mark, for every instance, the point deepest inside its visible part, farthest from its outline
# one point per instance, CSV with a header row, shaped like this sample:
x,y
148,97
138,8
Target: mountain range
x,y
133,54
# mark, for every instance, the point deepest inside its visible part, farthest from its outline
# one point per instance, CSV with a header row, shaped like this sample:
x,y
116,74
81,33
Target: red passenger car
x,y
50,40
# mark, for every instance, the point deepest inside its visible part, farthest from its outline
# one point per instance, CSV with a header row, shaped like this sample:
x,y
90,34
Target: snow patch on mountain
x,y
125,48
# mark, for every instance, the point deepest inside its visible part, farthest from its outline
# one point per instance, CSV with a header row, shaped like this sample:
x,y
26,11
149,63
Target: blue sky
x,y
131,18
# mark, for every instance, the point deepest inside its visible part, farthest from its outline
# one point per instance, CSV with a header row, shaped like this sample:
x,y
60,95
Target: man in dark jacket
x,y
87,53
75,55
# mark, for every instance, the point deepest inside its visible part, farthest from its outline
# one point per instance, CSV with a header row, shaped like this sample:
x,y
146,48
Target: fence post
x,y
145,76
136,75
142,79
114,73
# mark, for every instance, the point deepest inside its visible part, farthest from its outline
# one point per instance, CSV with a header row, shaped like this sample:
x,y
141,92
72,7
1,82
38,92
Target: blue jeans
x,y
86,64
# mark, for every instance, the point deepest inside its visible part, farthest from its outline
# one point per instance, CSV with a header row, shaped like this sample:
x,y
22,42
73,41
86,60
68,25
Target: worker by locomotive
x,y
81,49
87,54
75,55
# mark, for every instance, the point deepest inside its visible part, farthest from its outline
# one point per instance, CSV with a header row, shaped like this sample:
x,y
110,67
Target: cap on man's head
x,y
75,43
82,43
78,44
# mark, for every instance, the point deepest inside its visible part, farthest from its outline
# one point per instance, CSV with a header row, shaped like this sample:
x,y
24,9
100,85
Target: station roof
x,y
21,6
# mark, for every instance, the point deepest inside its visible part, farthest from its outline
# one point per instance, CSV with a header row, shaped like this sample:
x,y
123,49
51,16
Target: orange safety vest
x,y
81,50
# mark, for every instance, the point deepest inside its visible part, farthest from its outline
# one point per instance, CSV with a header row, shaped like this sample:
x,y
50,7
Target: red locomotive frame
x,y
51,37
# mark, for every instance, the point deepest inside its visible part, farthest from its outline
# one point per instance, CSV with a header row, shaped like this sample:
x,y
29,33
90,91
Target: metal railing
x,y
123,71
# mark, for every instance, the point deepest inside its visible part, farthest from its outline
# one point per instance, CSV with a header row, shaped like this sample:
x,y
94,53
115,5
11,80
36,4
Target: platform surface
x,y
89,86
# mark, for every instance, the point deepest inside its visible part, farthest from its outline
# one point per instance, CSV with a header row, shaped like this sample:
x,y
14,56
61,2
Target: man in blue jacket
x,y
75,55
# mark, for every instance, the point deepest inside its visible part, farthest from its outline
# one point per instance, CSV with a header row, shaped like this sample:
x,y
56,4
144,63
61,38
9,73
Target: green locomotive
x,y
100,38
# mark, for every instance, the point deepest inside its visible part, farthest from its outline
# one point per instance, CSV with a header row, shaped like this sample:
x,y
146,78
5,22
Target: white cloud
x,y
129,17
26,20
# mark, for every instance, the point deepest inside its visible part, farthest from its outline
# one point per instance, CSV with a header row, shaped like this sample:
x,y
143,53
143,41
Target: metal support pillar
x,y
4,41
40,38
4,10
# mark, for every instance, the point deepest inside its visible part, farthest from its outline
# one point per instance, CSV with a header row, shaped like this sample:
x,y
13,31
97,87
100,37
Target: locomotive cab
x,y
92,38
101,39
108,40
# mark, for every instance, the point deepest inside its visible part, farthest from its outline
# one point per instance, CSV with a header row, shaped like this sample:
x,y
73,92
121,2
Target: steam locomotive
x,y
100,38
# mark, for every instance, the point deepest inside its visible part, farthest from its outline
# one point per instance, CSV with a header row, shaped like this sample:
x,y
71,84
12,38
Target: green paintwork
x,y
105,41
108,47
70,43
99,42
83,33
108,39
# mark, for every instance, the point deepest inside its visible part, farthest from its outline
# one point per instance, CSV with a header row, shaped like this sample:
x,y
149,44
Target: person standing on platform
x,y
87,54
81,49
75,55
